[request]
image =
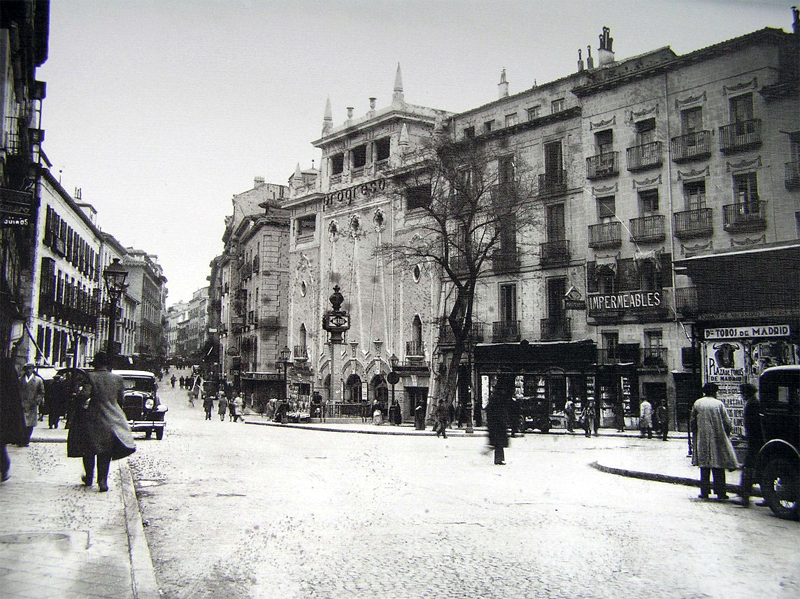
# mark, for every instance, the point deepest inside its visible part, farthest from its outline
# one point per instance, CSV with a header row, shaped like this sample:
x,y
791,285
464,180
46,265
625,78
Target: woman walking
x,y
222,408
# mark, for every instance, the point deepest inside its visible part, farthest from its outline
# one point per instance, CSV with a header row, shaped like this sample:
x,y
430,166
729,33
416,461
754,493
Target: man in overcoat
x,y
755,439
713,451
496,420
12,417
32,393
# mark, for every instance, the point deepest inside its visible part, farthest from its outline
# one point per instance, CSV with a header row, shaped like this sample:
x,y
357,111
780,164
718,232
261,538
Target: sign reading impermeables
x,y
777,330
624,301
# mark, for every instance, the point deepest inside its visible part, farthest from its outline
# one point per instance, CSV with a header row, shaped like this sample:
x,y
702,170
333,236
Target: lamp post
x,y
393,378
285,357
336,322
114,276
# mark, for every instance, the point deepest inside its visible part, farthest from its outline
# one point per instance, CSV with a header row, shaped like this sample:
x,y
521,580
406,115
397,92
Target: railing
x,y
602,165
654,357
555,253
382,165
300,353
692,146
745,216
738,136
337,178
624,353
446,333
792,175
648,228
414,349
553,182
644,156
605,235
359,409
505,260
505,331
357,171
686,300
693,223
556,328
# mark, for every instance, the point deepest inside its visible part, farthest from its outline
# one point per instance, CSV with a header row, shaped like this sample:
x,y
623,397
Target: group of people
x,y
231,407
650,419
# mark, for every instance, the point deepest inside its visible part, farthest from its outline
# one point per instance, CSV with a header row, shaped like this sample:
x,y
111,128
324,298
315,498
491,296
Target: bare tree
x,y
469,200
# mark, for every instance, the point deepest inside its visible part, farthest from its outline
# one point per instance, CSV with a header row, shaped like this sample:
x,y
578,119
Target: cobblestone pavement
x,y
235,510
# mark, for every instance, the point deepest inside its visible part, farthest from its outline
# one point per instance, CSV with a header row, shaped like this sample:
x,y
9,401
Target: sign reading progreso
x,y
347,196
779,330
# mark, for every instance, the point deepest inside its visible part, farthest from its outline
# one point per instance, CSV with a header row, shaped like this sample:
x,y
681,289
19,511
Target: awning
x,y
535,357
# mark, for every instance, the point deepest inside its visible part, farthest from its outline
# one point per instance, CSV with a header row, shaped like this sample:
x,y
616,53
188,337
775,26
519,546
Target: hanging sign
x,y
15,208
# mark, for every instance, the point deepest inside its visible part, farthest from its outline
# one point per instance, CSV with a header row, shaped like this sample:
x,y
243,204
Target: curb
x,y
664,478
143,576
386,431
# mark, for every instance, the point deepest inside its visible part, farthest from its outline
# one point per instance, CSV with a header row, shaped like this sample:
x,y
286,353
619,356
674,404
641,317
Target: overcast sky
x,y
162,110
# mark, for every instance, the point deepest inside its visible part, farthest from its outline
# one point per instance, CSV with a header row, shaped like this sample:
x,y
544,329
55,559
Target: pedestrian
x,y
589,416
755,439
419,416
222,408
619,415
232,408
569,410
236,408
662,419
395,413
181,381
12,416
496,420
646,418
32,393
442,414
377,415
99,429
712,448
451,414
512,405
172,380
208,405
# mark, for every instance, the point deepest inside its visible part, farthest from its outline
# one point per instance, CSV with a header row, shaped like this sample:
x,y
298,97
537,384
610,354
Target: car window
x,y
139,385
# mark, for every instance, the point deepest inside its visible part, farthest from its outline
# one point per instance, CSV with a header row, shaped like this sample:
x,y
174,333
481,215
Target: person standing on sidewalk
x,y
441,419
569,410
713,451
662,419
99,429
646,418
496,413
208,405
589,416
755,439
12,416
32,392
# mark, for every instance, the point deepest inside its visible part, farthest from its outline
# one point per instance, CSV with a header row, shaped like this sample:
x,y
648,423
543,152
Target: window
x,y
418,197
653,339
649,275
352,389
306,226
469,132
741,108
557,105
745,188
692,120
611,344
382,149
512,119
556,290
488,126
556,230
416,332
359,156
506,174
534,112
606,279
337,164
694,194
607,207
508,302
552,158
648,200
604,141
645,132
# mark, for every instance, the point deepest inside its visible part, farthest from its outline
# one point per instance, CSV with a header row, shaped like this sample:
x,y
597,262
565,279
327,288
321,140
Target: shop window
x,y
418,197
337,164
606,207
648,200
557,105
359,156
382,149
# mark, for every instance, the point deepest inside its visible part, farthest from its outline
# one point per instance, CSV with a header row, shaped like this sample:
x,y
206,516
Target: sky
x,y
161,111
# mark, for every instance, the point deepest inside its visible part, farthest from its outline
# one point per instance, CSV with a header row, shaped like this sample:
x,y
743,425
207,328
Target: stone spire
x,y
397,96
403,141
502,87
327,120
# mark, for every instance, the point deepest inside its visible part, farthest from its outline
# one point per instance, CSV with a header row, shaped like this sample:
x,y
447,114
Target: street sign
x,y
15,208
393,378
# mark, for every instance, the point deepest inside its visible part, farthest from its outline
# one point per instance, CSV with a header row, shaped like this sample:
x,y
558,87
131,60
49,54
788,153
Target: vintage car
x,y
779,458
141,404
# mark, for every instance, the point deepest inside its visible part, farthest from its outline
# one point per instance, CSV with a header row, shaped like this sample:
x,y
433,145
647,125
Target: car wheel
x,y
148,433
160,433
780,485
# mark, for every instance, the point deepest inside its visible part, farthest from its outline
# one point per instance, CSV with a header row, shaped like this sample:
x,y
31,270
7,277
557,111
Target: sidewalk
x,y
60,539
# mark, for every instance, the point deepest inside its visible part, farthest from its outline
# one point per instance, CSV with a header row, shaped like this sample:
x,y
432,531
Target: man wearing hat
x,y
32,393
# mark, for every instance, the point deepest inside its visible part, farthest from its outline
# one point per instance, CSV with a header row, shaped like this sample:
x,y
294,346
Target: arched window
x,y
352,389
326,384
417,331
380,390
302,339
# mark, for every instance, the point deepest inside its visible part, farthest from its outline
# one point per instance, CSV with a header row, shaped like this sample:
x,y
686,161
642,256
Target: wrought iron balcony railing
x,y
300,353
692,146
446,336
602,165
654,357
556,328
505,260
744,217
686,300
414,349
693,223
506,331
553,182
605,235
554,253
644,156
743,135
648,229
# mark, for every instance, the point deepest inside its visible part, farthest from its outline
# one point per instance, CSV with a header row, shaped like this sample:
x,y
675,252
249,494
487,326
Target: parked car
x,y
779,458
141,404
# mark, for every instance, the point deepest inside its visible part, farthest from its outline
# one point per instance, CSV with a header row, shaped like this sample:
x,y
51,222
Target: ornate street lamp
x,y
393,377
114,276
286,358
336,322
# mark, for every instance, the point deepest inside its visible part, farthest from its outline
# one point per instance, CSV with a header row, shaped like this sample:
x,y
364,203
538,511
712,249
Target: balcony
x,y
554,253
605,235
336,179
623,353
686,300
644,156
556,329
745,217
692,146
736,137
654,357
446,336
553,182
506,332
505,260
792,179
414,350
648,229
300,353
602,165
693,223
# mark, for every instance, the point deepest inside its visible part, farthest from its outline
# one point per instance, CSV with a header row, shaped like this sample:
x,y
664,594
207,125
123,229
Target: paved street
x,y
237,510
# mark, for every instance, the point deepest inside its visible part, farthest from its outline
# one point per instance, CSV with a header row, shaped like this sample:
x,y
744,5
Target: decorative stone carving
x,y
690,100
694,174
687,250
647,182
635,115
600,124
752,84
744,164
605,190
748,241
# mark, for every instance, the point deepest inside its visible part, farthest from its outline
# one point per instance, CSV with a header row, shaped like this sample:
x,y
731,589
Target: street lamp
x,y
393,378
114,276
286,358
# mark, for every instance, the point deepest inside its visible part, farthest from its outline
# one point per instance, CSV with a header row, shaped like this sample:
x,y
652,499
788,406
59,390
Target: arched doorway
x,y
352,389
380,393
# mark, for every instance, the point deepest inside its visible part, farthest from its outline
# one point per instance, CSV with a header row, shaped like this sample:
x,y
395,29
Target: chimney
x,y
502,87
258,182
371,111
604,54
580,61
349,113
77,193
589,59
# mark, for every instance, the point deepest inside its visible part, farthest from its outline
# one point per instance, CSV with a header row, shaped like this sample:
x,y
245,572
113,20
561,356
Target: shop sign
x,y
15,208
725,363
780,330
629,300
347,196
263,376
